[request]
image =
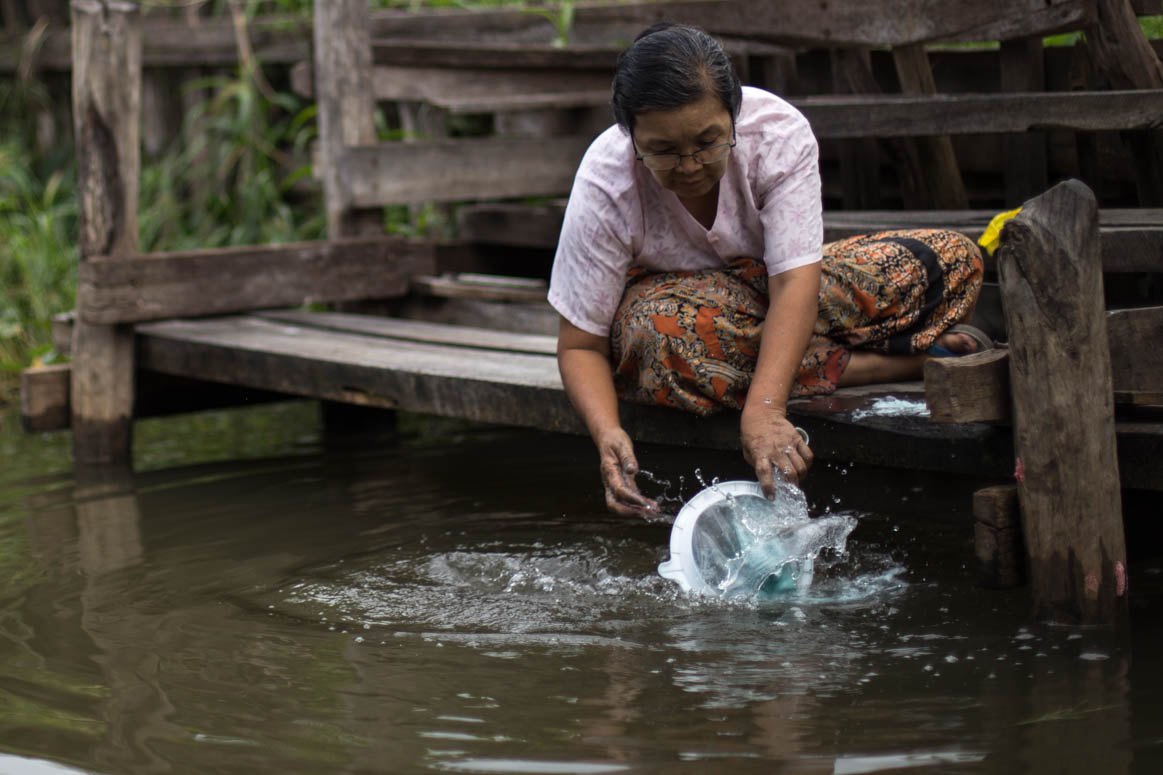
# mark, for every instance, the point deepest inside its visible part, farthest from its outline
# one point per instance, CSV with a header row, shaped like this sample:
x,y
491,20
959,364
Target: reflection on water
x,y
461,602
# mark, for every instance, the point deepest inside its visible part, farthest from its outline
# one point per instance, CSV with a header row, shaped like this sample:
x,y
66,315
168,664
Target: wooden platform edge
x,y
157,286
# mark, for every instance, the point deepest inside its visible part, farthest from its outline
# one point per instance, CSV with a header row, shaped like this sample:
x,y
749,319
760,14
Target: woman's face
x,y
685,130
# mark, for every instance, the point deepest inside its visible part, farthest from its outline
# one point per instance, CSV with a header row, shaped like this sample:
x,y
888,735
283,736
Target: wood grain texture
x,y
213,282
344,101
106,119
1132,239
484,168
966,114
938,162
997,537
972,388
1136,336
1064,431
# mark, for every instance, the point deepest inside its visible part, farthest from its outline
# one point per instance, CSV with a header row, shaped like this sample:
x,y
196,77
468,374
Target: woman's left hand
x,y
770,443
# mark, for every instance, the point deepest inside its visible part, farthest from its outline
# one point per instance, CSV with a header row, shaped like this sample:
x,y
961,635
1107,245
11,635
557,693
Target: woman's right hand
x,y
619,467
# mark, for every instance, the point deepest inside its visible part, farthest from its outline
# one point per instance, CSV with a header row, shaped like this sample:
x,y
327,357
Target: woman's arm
x,y
584,361
769,440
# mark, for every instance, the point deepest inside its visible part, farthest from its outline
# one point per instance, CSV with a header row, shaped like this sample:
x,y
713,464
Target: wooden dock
x,y
153,332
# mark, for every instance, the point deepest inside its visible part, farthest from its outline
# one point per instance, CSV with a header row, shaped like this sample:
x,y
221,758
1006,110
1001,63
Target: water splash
x,y
747,547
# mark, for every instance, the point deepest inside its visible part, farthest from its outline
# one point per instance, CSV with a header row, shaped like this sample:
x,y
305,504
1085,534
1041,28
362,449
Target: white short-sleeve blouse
x,y
619,216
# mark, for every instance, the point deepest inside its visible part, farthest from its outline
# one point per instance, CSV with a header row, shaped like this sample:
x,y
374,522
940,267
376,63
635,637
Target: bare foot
x,y
962,344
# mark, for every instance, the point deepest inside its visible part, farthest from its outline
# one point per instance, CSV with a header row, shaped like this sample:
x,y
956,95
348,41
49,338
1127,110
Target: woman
x,y
689,269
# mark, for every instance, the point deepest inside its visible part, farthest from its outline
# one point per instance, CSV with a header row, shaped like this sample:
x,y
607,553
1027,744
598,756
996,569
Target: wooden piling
x,y
998,538
1125,57
1064,434
106,117
938,161
343,94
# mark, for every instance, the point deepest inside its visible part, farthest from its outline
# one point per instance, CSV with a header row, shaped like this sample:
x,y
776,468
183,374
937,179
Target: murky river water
x,y
255,600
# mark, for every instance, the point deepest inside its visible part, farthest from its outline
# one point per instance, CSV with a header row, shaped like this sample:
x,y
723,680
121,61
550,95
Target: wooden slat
x,y
454,287
45,396
487,168
975,388
418,331
1132,239
286,39
494,55
209,282
965,114
490,386
1136,342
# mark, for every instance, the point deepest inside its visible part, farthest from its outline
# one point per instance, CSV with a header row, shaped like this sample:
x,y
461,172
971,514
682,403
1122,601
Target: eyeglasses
x,y
664,162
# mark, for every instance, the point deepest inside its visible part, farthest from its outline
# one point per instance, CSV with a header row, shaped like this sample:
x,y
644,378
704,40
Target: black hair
x,y
669,66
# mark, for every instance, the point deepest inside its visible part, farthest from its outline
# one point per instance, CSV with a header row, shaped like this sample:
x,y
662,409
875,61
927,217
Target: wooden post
x,y
860,157
343,94
1023,70
1124,55
997,537
937,158
106,114
1064,434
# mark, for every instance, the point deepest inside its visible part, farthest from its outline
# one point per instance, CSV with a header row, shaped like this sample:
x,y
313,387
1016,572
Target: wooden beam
x,y
938,161
1023,69
967,114
1064,430
997,534
343,83
45,404
487,55
484,168
284,39
1136,357
973,388
106,119
976,388
1124,56
214,282
44,398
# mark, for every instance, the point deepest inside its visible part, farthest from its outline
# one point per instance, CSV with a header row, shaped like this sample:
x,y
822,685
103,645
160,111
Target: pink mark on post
x,y
1020,472
1092,585
1120,579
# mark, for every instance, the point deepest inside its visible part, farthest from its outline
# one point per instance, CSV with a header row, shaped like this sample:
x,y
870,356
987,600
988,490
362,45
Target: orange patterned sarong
x,y
690,340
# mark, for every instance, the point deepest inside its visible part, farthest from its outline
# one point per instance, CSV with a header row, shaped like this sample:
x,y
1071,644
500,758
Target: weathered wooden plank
x,y
494,55
45,397
998,538
343,75
106,128
966,114
213,282
458,287
512,388
973,388
1132,239
976,388
418,331
485,168
1023,69
938,161
1064,430
1135,336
